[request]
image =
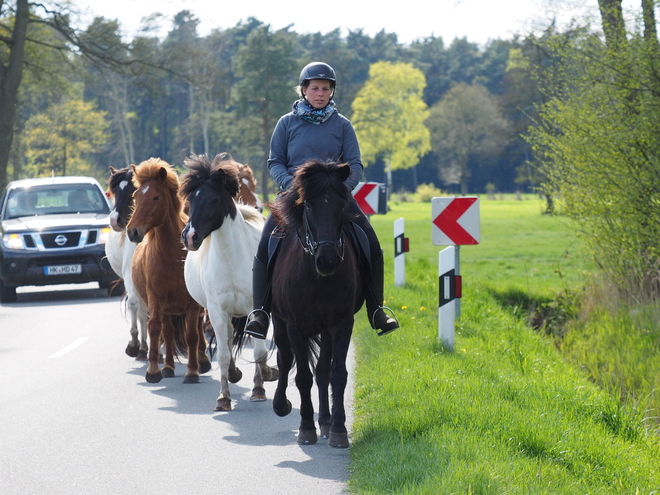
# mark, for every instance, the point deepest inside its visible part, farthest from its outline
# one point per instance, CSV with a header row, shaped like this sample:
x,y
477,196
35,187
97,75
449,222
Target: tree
x,y
598,143
267,71
389,114
60,140
16,19
464,125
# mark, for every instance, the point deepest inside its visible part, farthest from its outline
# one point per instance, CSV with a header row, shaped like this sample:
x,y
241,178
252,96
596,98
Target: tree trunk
x,y
611,15
650,29
10,80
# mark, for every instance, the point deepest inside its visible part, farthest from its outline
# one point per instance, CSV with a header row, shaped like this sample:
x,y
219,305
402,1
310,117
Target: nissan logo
x,y
60,240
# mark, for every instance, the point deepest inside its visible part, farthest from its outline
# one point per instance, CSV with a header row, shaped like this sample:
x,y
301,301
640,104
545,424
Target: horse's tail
x,y
240,337
180,345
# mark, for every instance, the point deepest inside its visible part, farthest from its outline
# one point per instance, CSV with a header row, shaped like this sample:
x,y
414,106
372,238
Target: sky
x,y
477,20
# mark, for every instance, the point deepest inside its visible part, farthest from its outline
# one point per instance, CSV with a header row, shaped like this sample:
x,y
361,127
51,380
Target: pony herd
x,y
184,248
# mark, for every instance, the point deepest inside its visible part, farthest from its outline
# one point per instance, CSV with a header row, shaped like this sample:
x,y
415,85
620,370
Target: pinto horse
x,y
316,290
157,271
222,238
119,251
247,194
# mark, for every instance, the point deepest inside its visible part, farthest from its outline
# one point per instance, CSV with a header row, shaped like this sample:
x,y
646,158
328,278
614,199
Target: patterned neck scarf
x,y
302,109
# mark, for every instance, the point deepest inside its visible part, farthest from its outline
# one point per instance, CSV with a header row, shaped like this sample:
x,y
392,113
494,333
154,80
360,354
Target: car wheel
x,y
7,294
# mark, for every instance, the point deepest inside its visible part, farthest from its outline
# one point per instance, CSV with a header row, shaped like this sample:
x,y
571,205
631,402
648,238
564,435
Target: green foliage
x,y
467,122
62,140
426,192
389,113
599,148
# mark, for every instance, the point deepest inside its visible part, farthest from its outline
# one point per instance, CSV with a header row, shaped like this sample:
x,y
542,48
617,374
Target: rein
x,y
310,245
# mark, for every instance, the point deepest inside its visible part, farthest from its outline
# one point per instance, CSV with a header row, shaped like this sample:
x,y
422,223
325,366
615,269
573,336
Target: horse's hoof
x,y
204,366
154,377
338,440
168,372
307,437
270,374
223,404
235,375
142,355
192,378
258,394
132,350
325,431
286,410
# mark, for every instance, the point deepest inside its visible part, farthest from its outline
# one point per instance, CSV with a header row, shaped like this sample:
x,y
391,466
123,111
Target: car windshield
x,y
55,199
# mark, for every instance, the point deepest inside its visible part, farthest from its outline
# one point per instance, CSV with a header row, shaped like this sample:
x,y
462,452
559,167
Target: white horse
x,y
119,250
222,238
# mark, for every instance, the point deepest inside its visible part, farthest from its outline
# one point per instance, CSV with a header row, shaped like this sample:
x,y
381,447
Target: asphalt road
x,y
77,416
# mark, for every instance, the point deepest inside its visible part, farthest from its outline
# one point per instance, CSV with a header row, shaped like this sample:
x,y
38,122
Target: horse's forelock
x,y
151,169
316,177
199,171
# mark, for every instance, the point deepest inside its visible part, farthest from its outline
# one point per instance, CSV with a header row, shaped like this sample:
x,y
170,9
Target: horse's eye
x,y
156,198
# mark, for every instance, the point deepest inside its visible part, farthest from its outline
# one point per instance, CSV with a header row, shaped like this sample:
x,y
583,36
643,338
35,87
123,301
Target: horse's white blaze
x,y
123,184
144,191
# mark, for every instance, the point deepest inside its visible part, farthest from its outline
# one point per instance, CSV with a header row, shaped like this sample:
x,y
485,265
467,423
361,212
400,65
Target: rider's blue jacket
x,y
295,141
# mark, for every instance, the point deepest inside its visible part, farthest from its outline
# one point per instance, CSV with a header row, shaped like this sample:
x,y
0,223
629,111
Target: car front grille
x,y
60,240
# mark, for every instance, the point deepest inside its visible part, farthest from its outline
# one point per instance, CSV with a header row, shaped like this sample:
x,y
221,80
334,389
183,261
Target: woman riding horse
x,y
314,129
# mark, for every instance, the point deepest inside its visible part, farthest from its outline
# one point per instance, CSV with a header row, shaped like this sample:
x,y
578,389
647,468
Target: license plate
x,y
62,269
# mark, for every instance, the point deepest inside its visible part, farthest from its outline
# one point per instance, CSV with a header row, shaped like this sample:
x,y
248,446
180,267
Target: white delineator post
x,y
450,289
401,247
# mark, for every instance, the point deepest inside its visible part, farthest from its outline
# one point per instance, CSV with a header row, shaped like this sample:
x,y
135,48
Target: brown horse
x,y
157,271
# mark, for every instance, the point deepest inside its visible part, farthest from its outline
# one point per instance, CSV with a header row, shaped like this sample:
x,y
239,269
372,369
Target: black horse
x,y
316,290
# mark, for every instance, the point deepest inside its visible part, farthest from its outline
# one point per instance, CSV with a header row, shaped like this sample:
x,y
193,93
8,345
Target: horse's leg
x,y
168,339
304,382
262,372
204,362
323,382
133,347
338,378
154,374
282,405
222,326
193,328
143,319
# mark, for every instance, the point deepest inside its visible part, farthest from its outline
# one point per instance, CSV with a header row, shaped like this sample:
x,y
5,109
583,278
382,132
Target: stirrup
x,y
388,328
255,326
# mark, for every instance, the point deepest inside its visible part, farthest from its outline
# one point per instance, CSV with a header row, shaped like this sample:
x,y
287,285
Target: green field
x,y
505,412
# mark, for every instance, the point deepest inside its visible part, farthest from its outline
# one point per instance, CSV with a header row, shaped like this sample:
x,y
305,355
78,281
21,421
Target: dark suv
x,y
53,232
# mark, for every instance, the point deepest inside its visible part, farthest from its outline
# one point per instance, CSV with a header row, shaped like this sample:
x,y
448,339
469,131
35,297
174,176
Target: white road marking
x,y
69,348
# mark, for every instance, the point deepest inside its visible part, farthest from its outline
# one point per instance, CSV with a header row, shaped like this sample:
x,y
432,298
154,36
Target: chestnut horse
x,y
316,290
119,251
222,237
157,271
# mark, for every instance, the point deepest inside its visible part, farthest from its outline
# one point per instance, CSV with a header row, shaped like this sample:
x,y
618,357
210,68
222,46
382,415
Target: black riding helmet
x,y
318,70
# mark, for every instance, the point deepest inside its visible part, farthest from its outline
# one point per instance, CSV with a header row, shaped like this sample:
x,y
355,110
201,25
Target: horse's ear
x,y
344,171
113,170
162,174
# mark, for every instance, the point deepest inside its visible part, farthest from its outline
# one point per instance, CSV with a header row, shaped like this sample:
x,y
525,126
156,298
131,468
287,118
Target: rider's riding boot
x,y
378,318
259,319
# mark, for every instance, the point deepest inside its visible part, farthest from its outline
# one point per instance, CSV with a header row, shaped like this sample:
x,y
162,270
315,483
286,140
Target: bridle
x,y
310,245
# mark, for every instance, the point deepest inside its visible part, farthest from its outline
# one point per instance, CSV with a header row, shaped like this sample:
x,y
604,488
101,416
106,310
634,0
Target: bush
x,y
426,192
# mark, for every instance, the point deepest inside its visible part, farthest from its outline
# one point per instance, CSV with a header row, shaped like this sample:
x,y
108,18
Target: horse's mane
x,y
220,174
117,176
152,169
251,214
312,179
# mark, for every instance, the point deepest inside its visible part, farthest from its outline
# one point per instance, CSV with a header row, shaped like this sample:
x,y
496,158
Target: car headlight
x,y
13,241
104,235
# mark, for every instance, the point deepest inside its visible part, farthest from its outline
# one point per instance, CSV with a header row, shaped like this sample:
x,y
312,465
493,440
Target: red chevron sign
x,y
366,195
455,220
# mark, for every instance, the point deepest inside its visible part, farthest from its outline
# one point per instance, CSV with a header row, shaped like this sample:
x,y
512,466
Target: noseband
x,y
310,245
